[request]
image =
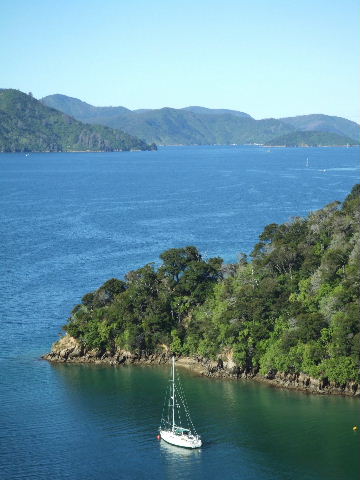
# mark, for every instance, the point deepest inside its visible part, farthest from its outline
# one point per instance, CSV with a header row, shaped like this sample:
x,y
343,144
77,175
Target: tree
x,y
176,260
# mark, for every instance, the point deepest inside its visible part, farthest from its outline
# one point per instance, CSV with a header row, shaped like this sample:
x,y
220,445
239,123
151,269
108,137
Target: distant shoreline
x,y
194,145
310,146
83,151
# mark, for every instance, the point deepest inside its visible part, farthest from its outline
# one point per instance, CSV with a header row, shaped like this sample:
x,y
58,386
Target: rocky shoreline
x,y
69,350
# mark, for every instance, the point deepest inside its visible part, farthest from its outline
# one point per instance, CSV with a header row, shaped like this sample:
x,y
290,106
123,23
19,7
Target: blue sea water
x,y
70,221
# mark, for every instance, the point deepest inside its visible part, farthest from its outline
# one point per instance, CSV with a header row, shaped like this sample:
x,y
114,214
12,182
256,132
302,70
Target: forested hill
x,y
28,125
198,125
312,139
324,123
293,308
171,126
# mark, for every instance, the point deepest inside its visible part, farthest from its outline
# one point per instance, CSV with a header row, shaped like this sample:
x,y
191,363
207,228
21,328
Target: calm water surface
x,y
71,221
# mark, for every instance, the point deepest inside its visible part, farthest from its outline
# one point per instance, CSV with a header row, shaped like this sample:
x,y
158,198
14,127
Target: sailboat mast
x,y
173,393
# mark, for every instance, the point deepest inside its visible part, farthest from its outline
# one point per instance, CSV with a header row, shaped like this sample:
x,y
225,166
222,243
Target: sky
x,y
268,58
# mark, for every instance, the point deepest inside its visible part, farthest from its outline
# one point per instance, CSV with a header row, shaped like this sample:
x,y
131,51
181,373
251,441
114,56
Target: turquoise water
x,y
70,222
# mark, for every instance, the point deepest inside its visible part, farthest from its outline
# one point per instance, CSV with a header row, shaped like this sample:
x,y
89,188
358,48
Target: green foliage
x,y
312,139
150,307
176,344
198,125
293,309
27,125
339,369
169,126
324,123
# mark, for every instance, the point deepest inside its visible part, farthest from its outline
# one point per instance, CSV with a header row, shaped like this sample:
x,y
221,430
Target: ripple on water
x,y
70,222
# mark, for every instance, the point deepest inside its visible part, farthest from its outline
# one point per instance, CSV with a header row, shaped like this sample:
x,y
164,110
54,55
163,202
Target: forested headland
x,y
292,307
26,125
312,139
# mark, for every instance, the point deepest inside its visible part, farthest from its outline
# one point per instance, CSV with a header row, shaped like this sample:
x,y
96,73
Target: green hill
x,y
170,126
216,111
28,125
325,123
199,125
312,139
81,110
293,308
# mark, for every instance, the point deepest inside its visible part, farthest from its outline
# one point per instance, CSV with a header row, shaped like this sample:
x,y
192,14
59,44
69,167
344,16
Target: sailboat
x,y
176,426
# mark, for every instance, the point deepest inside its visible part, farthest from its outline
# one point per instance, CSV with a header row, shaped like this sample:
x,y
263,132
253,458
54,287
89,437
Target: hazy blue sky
x,y
264,57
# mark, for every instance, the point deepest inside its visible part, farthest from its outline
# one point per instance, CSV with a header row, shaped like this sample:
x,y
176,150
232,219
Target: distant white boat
x,y
172,428
307,162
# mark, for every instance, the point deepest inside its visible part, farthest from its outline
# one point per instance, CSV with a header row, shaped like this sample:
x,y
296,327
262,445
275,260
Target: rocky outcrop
x,y
305,383
69,350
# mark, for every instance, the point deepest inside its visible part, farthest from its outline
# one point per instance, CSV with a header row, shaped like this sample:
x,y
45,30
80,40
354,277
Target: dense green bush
x,y
27,125
293,308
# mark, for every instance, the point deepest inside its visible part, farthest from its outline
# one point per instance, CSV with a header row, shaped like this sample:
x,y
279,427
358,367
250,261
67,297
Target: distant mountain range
x,y
26,124
324,123
56,124
199,125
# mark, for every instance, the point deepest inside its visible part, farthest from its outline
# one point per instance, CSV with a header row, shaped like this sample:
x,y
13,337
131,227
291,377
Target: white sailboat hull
x,y
186,441
177,434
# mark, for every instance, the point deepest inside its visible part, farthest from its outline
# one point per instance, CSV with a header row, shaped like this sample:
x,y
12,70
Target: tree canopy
x,y
27,125
293,308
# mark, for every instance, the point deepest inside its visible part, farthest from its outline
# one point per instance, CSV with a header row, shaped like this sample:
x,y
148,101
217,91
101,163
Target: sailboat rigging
x,y
176,426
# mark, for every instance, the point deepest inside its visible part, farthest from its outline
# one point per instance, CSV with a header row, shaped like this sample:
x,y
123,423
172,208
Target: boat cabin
x,y
181,431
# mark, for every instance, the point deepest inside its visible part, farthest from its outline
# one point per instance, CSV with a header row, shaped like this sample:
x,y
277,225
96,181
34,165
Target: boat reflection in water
x,y
180,463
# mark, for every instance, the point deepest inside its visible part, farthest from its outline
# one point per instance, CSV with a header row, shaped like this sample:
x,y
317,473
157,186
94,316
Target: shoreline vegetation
x,y
28,152
69,350
312,139
288,317
80,151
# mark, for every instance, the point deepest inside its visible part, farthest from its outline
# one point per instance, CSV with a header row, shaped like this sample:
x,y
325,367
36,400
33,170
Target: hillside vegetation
x,y
170,126
312,139
198,125
324,123
293,308
27,125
